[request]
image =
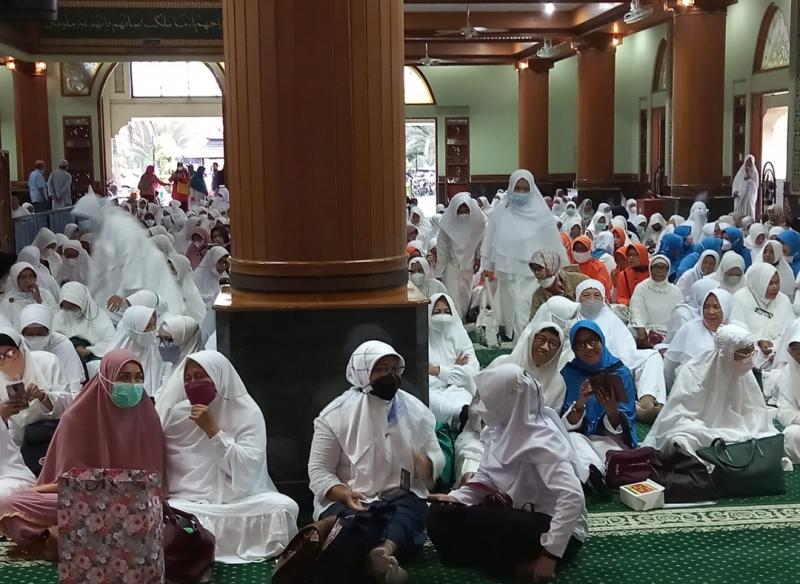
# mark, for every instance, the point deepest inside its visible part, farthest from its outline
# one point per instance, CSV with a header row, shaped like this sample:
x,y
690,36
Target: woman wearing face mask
x,y
652,304
599,223
518,228
364,442
421,275
458,242
216,444
588,265
714,396
730,272
36,326
790,240
732,240
603,250
705,266
772,253
597,422
108,426
698,335
77,264
211,270
30,254
530,459
638,260
646,365
764,310
137,334
546,266
178,337
181,270
46,241
200,242
81,320
21,290
452,362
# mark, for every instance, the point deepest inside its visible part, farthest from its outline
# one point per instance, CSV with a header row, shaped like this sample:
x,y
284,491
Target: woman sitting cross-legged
x,y
528,462
217,460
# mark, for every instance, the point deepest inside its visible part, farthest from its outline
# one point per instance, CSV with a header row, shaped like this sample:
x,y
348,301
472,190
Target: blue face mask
x,y
169,352
520,199
126,395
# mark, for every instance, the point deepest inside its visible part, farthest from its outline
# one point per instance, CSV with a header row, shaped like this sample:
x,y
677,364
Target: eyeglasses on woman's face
x,y
8,354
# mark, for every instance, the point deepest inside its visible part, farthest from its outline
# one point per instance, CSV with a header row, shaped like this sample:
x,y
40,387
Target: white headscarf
x,y
619,340
90,323
192,299
54,343
72,231
710,399
424,225
131,335
14,299
44,278
515,232
447,342
784,270
766,319
694,337
548,375
756,229
788,383
747,187
206,275
43,240
378,437
730,260
698,217
695,273
465,231
185,332
651,234
427,285
75,269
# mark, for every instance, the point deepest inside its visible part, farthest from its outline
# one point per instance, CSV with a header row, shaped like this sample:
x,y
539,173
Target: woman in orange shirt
x,y
637,271
589,266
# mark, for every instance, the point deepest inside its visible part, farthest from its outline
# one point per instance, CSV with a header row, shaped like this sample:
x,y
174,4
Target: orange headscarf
x,y
594,268
565,241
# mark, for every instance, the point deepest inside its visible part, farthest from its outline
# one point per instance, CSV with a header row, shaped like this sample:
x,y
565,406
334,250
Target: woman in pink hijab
x,y
111,424
198,245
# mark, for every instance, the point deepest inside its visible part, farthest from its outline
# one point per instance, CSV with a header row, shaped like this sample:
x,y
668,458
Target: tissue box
x,y
642,496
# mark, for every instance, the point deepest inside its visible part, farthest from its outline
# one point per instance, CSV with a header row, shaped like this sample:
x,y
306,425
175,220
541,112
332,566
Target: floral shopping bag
x,y
110,527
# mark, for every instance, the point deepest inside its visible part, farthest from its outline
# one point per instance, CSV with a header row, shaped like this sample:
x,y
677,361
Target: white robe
x,y
14,299
789,400
652,304
14,475
192,299
90,323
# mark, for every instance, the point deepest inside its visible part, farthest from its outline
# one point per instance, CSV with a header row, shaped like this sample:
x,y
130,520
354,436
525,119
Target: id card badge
x,y
405,479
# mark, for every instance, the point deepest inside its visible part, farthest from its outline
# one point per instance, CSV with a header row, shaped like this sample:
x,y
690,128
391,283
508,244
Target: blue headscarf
x,y
791,238
576,372
672,247
690,261
737,244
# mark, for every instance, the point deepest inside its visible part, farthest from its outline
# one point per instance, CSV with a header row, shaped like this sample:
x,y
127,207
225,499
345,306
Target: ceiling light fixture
x,y
614,41
11,65
549,8
522,65
686,3
40,67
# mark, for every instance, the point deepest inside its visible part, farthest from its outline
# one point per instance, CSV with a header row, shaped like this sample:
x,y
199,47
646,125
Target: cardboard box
x,y
642,496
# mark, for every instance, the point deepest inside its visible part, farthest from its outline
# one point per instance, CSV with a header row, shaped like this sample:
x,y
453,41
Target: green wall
x,y
8,136
488,95
563,108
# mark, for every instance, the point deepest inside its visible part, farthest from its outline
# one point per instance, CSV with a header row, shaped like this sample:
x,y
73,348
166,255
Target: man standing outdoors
x,y
59,186
37,188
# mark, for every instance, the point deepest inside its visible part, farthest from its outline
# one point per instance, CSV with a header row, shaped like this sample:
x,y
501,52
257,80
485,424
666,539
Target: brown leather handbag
x,y
624,467
188,548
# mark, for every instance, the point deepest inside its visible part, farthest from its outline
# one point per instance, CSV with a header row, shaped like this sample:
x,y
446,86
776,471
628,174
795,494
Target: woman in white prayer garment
x,y
460,237
208,274
76,265
517,228
705,266
689,310
178,337
216,441
124,258
730,272
14,475
789,393
80,317
421,275
714,396
452,362
192,299
32,255
46,395
653,301
772,253
530,459
36,326
372,438
745,187
764,310
47,243
22,289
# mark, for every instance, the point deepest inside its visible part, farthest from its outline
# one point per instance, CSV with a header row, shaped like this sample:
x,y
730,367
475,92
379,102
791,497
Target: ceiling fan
x,y
469,32
428,61
637,13
550,51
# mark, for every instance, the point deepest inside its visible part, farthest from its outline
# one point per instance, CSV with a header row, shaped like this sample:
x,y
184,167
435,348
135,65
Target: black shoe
x,y
598,484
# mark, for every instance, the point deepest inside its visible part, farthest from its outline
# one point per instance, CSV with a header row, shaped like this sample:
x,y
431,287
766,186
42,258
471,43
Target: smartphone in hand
x,y
16,391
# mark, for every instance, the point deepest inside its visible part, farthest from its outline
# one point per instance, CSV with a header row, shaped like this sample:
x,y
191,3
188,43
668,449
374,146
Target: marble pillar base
x,y
291,350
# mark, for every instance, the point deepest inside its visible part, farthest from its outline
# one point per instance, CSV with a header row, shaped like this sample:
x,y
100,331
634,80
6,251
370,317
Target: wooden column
x,y
31,119
596,66
792,185
534,99
315,144
698,99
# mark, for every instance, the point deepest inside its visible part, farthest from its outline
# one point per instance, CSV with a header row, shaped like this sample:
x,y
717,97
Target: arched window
x,y
173,79
772,49
660,71
417,90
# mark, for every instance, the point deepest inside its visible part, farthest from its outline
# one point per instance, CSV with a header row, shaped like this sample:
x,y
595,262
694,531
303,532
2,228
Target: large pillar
x,y
698,101
792,185
534,99
315,145
31,118
596,65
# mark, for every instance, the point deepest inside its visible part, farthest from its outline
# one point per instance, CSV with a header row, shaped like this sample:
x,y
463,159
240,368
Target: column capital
x,y
540,65
699,6
599,41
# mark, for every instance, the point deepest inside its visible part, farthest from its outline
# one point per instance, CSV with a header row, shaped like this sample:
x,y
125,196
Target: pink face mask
x,y
201,392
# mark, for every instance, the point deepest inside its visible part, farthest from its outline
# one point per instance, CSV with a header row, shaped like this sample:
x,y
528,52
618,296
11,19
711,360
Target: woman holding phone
x,y
600,403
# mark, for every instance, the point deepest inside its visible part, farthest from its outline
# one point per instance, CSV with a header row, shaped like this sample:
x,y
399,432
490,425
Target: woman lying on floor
x,y
528,462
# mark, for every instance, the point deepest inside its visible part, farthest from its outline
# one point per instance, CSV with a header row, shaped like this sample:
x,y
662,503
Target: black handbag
x,y
747,469
684,478
188,548
35,442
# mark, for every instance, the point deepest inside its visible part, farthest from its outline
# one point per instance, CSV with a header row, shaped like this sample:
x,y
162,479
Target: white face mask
x,y
418,279
733,280
463,217
440,321
547,282
726,245
143,339
38,343
591,308
71,261
582,256
742,367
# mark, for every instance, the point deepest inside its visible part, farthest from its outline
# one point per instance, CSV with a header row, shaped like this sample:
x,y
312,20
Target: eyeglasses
x,y
386,370
744,354
589,343
9,355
